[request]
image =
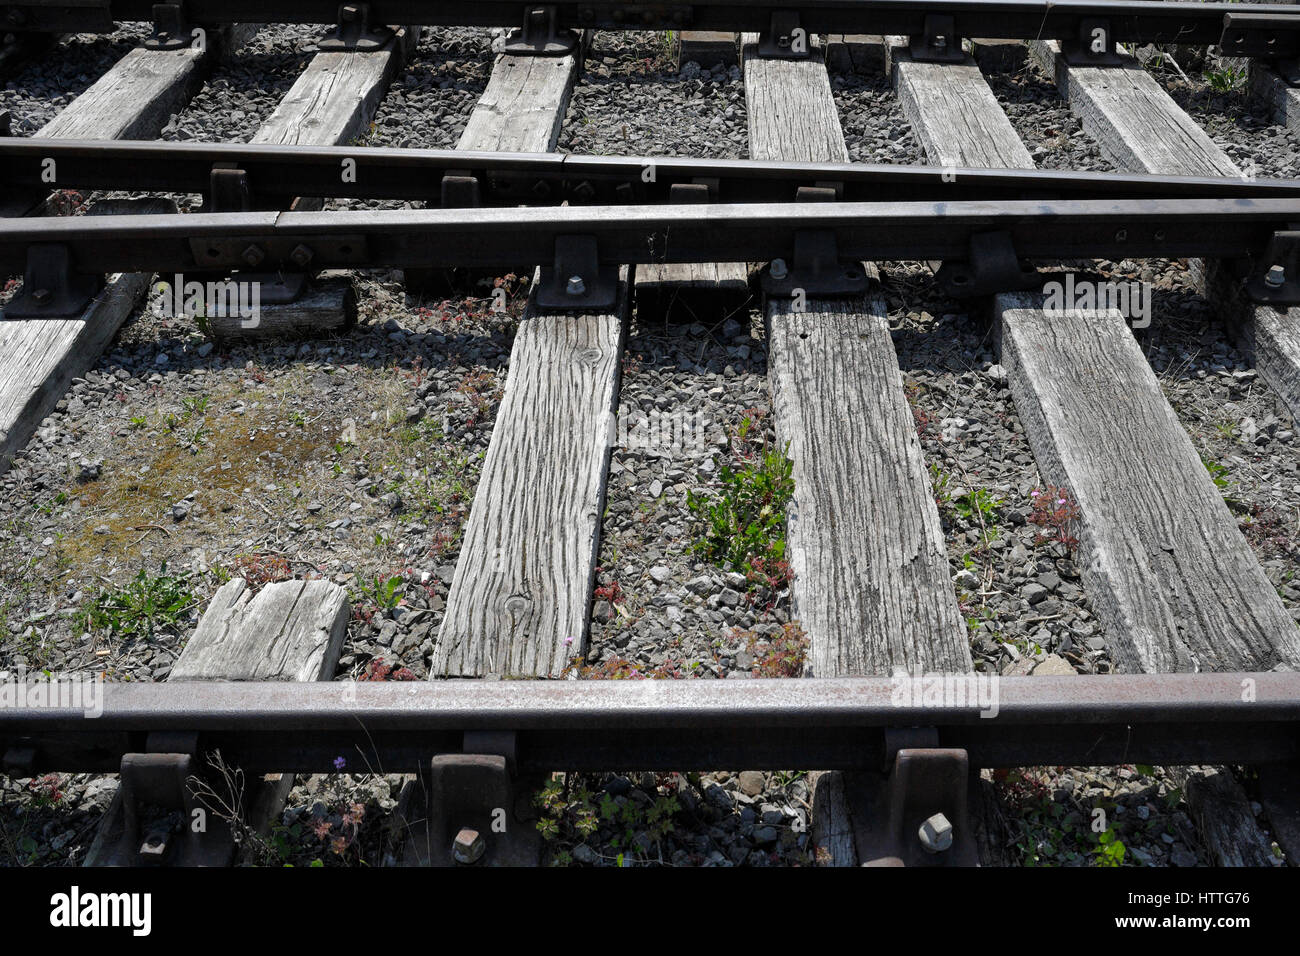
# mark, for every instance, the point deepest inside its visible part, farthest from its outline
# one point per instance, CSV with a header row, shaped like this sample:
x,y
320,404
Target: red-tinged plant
x,y
1055,510
46,790
380,670
783,655
260,570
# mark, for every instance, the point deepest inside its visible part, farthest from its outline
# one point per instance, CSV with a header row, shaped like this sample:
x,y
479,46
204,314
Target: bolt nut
x,y
778,269
468,847
575,286
253,256
301,256
42,296
1275,277
936,834
154,847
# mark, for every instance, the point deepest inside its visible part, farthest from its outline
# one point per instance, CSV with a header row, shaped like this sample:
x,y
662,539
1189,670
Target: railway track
x,y
1201,632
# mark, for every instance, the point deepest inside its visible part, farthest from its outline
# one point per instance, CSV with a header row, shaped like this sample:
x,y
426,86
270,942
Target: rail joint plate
x,y
917,814
158,817
171,28
785,39
1093,46
1259,34
472,809
991,266
541,35
577,280
51,288
1279,282
354,31
939,43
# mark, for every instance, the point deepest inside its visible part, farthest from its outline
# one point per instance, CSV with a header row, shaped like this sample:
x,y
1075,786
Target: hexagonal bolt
x,y
936,834
575,286
1275,277
42,296
779,269
468,847
348,13
253,256
301,256
154,847
939,41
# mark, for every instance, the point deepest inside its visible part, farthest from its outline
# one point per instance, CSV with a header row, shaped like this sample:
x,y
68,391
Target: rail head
x,y
817,723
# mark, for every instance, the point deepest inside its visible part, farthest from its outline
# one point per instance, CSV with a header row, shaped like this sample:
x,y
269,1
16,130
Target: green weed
x,y
146,604
745,520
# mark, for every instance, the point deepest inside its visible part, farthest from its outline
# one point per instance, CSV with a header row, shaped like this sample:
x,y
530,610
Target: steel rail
x,y
275,174
830,723
1149,21
506,237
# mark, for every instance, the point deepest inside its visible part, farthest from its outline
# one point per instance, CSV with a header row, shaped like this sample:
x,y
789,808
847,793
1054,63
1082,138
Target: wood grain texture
x,y
1135,122
855,53
329,304
333,101
872,586
43,356
792,115
955,115
1163,562
832,826
1141,129
330,104
1270,339
520,598
707,292
707,47
134,99
1275,341
1283,101
523,105
289,630
1221,810
521,595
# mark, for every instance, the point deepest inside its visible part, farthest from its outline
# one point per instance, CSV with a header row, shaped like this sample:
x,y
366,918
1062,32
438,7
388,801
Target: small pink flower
x,y
1033,494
